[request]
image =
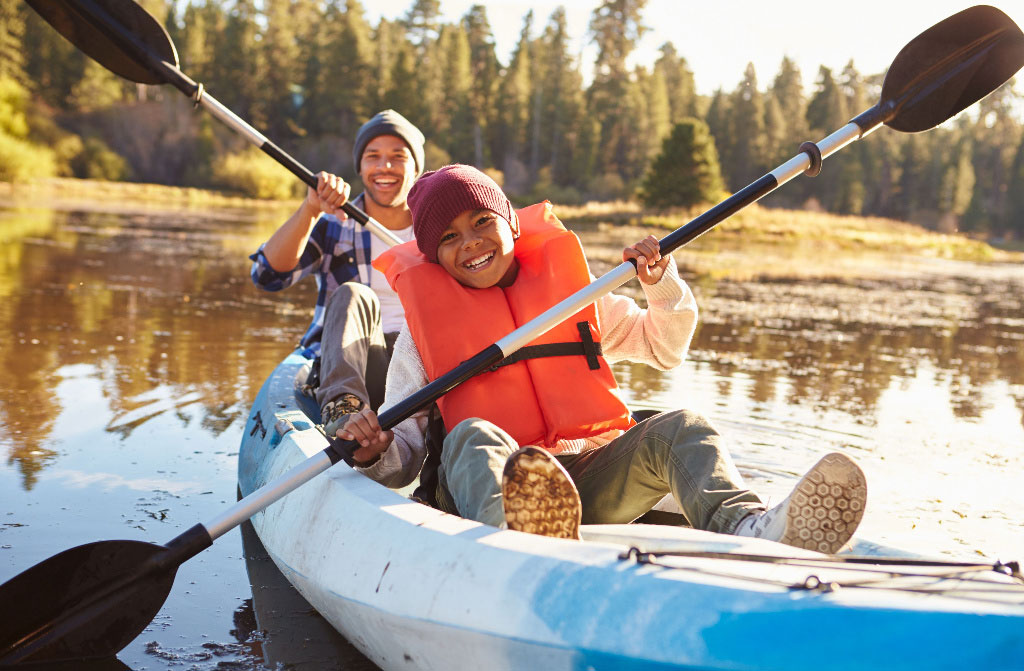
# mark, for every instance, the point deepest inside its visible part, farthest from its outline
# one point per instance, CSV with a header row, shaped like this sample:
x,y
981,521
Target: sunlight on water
x,y
134,345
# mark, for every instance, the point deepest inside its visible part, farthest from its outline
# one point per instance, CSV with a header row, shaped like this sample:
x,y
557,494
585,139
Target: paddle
x,y
124,38
94,599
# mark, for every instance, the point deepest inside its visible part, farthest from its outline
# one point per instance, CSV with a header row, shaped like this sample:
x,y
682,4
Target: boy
x,y
483,269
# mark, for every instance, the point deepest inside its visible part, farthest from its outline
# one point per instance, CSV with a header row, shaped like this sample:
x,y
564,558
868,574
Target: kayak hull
x,y
412,587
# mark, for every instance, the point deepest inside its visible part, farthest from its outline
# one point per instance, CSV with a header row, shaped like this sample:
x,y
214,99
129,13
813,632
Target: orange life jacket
x,y
538,401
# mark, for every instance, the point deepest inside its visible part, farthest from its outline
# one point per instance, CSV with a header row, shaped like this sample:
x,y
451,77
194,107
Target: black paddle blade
x,y
86,24
86,602
949,67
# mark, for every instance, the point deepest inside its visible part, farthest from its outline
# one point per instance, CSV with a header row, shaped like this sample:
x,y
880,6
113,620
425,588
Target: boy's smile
x,y
477,250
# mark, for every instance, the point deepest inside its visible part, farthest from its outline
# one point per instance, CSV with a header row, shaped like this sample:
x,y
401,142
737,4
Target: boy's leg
x,y
472,461
678,452
353,354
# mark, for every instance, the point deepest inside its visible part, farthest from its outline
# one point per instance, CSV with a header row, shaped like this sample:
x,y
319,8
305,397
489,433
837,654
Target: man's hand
x,y
364,428
331,193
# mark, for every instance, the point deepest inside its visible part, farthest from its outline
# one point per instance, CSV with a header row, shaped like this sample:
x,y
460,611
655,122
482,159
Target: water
x,y
134,343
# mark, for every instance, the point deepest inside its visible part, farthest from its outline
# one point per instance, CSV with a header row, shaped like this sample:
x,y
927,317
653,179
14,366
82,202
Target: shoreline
x,y
756,243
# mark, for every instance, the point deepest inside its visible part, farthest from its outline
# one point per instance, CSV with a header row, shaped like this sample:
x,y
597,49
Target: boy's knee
x,y
682,427
471,435
685,420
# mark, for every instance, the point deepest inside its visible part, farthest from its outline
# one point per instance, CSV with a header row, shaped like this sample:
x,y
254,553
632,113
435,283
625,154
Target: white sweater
x,y
658,336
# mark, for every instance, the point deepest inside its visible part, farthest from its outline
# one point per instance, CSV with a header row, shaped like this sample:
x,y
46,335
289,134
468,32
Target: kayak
x,y
412,587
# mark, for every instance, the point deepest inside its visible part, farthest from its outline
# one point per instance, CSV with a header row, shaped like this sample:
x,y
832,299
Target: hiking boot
x,y
821,513
538,495
335,413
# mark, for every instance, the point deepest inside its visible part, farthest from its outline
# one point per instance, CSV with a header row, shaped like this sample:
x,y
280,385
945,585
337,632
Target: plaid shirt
x,y
338,251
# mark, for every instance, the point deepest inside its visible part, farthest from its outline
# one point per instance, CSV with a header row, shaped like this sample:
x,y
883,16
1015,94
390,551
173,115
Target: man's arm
x,y
284,248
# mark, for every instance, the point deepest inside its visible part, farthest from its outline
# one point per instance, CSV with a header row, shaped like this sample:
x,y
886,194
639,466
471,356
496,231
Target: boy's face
x,y
388,170
477,250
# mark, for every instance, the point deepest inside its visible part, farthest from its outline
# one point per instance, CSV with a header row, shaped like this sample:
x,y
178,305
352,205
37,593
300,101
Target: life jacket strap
x,y
588,348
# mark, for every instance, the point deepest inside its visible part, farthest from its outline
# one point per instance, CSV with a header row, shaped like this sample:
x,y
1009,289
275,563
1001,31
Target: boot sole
x,y
538,495
827,505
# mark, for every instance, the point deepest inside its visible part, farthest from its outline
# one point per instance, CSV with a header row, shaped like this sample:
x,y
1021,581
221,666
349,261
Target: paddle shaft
x,y
101,19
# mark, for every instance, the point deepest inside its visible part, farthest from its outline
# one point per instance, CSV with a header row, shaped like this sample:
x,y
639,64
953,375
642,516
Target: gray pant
x,y
354,350
675,452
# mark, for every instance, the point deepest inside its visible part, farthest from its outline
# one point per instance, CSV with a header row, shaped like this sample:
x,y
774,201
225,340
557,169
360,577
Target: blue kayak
x,y
415,588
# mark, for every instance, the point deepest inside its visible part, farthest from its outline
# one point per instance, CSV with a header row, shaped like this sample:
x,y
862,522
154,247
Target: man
x,y
357,316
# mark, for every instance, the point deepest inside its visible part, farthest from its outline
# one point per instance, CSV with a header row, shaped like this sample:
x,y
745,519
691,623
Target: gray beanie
x,y
389,122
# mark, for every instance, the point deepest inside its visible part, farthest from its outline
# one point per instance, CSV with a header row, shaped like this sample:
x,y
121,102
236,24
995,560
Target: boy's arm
x,y
400,463
658,336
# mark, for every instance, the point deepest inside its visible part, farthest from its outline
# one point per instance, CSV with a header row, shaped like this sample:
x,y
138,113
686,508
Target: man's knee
x,y
351,293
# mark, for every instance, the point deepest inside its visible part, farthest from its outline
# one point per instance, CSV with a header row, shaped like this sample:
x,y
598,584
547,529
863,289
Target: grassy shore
x,y
763,242
62,193
756,242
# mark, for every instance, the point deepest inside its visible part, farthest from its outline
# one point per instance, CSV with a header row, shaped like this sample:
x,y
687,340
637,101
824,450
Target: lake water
x,y
133,343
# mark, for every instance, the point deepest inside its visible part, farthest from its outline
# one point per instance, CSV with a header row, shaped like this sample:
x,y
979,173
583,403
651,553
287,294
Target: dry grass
x,y
759,242
91,194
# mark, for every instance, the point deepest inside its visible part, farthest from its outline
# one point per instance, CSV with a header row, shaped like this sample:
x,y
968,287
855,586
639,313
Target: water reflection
x,y
840,346
134,344
159,308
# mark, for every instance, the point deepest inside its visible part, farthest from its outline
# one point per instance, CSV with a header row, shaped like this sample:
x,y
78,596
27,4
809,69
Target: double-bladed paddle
x,y
124,38
92,600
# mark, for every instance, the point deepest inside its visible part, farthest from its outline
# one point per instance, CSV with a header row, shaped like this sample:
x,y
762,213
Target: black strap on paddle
x,y
587,347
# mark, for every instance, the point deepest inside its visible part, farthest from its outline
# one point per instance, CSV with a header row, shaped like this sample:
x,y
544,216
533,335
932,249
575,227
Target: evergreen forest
x,y
307,73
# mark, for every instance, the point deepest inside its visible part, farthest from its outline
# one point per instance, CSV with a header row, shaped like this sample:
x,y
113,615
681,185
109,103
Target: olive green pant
x,y
675,452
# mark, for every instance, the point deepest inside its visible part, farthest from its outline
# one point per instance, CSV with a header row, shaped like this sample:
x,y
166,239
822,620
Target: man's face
x,y
388,170
477,250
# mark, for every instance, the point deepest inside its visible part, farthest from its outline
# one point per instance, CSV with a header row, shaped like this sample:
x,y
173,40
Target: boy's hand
x,y
331,193
650,265
364,428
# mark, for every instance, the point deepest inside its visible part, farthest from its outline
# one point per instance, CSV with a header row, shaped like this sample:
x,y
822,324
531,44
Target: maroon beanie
x,y
441,195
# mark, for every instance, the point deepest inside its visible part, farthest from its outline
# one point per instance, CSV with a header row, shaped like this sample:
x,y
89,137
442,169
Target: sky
x,y
720,37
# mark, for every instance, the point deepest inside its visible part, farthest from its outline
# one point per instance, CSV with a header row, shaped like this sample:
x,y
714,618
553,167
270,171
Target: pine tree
x,y
456,119
679,83
53,65
514,92
747,152
237,67
346,93
957,187
826,112
616,27
995,134
98,88
652,119
786,127
403,93
563,100
484,79
423,21
281,51
686,171
12,35
1015,195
